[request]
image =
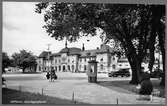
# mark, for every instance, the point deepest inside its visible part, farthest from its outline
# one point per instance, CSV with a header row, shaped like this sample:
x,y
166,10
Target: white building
x,y
76,60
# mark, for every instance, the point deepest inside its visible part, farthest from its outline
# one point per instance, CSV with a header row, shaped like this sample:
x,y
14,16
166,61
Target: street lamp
x,y
48,58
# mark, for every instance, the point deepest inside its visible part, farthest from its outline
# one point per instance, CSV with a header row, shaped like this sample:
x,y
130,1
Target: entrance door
x,y
64,68
72,68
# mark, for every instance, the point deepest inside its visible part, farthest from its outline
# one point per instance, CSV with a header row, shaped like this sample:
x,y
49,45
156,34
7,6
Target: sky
x,y
22,29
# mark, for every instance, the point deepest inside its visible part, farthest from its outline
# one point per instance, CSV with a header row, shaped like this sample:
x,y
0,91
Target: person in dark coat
x,y
53,74
146,86
48,75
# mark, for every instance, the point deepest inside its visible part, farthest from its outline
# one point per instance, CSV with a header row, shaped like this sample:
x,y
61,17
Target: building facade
x,y
76,60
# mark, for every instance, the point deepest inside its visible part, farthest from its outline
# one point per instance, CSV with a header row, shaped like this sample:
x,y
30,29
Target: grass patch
x,y
10,96
124,86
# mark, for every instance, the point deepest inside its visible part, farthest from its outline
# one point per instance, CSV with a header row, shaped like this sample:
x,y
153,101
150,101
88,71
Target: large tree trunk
x,y
152,59
135,67
158,13
24,69
161,35
152,49
135,76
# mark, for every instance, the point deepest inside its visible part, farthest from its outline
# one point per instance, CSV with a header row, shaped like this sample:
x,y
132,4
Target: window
x,y
55,60
113,58
101,59
72,67
39,68
85,67
59,61
56,68
88,54
80,60
59,68
85,59
68,68
113,66
68,60
80,67
101,66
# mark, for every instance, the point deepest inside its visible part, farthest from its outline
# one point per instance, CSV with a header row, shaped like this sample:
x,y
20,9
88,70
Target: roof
x,y
105,49
71,51
44,54
77,51
88,53
56,54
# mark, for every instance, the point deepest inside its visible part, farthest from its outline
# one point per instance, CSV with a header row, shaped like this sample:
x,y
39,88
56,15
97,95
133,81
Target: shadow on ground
x,y
123,86
119,86
10,96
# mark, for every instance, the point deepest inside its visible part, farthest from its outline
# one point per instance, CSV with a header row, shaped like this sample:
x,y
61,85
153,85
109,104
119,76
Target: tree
x,y
129,24
158,29
6,61
24,59
161,36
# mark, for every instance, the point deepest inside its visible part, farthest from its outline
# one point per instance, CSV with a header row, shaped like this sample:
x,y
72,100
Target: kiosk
x,y
92,71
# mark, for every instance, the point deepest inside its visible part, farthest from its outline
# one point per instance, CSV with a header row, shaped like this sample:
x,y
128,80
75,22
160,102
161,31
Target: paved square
x,y
75,85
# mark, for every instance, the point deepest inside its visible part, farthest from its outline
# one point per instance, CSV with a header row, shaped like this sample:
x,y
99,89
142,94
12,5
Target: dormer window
x,y
88,54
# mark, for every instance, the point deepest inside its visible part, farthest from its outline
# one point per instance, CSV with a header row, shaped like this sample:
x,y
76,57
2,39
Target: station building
x,y
76,59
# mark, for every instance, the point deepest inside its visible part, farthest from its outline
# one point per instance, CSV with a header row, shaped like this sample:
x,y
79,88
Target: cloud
x,y
22,29
9,26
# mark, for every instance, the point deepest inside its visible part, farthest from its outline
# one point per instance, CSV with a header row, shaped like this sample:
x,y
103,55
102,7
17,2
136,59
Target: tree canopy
x,y
134,26
24,59
6,61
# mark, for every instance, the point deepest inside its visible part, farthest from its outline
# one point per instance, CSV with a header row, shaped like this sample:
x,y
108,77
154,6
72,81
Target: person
x,y
55,76
52,74
48,75
146,86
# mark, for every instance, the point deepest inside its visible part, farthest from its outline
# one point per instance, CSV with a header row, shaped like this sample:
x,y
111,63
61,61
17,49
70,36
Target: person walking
x,y
52,74
48,75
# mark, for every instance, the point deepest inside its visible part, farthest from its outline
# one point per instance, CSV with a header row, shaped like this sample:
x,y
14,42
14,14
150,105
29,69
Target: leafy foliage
x,y
6,61
132,25
24,59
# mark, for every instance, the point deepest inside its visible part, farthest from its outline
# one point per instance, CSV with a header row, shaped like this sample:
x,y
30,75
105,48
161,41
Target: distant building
x,y
76,60
43,61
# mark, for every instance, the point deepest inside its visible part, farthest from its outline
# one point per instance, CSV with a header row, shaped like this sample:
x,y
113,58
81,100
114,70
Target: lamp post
x,y
48,58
